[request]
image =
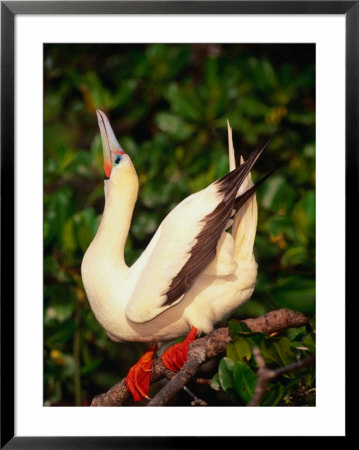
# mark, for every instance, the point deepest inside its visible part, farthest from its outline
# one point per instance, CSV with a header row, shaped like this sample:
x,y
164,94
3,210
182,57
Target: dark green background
x,y
168,106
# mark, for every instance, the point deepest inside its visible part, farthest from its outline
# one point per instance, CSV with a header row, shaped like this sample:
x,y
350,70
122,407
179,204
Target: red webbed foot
x,y
175,356
138,377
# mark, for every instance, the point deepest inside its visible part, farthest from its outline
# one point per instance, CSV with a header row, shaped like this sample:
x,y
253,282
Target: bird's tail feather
x,y
244,228
246,220
244,224
231,157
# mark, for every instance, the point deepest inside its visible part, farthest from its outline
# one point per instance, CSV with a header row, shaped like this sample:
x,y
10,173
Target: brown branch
x,y
196,401
276,321
203,381
118,394
266,375
200,350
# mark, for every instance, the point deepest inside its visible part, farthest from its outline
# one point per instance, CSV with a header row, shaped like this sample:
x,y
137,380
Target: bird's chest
x,y
106,289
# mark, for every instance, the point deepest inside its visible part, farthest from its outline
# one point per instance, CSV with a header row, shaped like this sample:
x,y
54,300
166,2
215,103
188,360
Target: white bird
x,y
193,273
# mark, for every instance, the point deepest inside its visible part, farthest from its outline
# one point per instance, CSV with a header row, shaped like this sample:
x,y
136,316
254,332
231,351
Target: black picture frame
x,y
9,10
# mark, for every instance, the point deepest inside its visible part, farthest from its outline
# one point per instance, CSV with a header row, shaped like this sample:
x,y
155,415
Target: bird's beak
x,y
110,145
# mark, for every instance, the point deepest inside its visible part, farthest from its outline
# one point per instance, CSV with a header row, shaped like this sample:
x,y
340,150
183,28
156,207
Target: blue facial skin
x,y
118,159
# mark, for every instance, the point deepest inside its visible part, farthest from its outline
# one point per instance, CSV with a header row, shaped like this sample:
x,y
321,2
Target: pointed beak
x,y
110,145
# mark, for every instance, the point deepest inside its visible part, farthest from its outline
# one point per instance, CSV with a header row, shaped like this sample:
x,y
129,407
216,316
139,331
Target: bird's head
x,y
116,163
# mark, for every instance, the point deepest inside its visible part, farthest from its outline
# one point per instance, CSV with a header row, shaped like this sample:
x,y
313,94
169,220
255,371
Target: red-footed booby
x,y
193,273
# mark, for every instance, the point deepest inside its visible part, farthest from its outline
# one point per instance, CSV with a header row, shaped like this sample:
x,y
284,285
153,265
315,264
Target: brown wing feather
x,y
241,200
204,249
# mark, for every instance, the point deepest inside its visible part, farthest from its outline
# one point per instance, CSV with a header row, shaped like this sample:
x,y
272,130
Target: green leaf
x,y
253,107
255,339
278,351
295,292
309,342
183,101
60,312
225,373
144,224
245,381
88,368
62,335
304,217
295,333
253,308
174,126
308,118
69,239
237,328
239,350
215,384
312,323
124,93
273,396
294,256
280,224
278,195
86,224
309,150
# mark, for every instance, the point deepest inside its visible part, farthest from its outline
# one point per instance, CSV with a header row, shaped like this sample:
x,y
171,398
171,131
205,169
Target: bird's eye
x,y
118,159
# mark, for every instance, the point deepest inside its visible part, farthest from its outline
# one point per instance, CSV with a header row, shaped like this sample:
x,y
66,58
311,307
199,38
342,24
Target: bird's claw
x,y
138,377
175,357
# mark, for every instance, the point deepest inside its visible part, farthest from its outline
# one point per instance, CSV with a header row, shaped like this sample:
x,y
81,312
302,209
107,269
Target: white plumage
x,y
192,274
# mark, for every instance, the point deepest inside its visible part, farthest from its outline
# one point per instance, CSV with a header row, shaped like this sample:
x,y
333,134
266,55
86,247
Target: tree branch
x,y
196,401
266,375
200,350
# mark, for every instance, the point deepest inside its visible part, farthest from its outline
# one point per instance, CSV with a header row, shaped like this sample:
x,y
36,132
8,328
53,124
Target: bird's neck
x,y
120,199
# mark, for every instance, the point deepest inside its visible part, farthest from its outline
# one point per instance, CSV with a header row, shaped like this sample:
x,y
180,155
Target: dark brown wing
x,y
242,199
204,249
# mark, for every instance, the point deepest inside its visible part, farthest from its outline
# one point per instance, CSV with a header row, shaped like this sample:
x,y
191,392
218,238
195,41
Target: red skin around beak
x,y
107,167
